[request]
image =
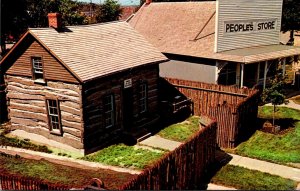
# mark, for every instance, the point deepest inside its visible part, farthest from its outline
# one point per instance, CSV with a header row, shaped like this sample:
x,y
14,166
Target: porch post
x,y
283,67
257,73
265,74
242,75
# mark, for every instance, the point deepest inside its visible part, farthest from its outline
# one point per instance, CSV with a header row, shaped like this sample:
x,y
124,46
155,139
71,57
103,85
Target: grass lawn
x,y
266,112
58,174
125,156
181,131
245,179
19,143
280,148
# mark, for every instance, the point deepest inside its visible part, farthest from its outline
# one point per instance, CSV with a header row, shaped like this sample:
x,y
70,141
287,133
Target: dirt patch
x,y
285,125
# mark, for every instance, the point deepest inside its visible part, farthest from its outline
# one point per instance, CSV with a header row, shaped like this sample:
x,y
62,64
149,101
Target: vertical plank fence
x,y
183,168
13,182
234,109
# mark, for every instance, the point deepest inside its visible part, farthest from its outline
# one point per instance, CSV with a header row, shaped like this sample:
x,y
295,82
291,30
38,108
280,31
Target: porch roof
x,y
258,54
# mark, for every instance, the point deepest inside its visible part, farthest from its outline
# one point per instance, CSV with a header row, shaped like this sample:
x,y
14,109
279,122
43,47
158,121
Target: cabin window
x,y
227,75
143,96
109,110
37,67
54,116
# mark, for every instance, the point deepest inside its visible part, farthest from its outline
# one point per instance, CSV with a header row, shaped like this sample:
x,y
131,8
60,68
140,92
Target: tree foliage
x,y
18,15
70,13
275,92
14,20
109,11
290,15
39,9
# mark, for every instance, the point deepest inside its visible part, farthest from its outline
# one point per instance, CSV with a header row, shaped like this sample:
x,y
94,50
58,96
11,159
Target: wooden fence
x,y
233,108
11,182
183,168
16,182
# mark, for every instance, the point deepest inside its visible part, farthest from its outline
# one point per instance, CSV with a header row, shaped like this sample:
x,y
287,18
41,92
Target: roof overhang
x,y
258,54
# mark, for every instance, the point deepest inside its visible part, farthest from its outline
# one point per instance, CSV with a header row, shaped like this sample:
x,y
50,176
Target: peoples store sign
x,y
247,23
247,26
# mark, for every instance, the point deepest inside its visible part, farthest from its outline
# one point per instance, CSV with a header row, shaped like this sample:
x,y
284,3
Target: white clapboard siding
x,y
247,10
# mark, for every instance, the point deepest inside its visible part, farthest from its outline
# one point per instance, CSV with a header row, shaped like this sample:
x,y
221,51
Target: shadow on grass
x,y
130,139
222,159
285,125
171,119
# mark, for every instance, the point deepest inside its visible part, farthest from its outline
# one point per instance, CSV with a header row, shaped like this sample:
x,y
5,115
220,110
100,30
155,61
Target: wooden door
x,y
127,108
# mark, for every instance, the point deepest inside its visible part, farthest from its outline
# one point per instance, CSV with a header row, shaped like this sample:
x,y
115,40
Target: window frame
x,y
59,130
111,112
143,97
34,73
227,72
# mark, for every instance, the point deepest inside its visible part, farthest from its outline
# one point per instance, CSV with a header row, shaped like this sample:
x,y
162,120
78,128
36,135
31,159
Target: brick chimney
x,y
54,20
148,2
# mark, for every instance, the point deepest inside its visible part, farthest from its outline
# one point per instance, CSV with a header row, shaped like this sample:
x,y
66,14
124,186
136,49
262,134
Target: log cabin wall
x,y
96,135
27,108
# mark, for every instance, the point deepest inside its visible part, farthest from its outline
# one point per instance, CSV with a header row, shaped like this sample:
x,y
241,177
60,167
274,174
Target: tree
x,y
275,93
70,14
13,20
109,11
39,9
290,17
18,15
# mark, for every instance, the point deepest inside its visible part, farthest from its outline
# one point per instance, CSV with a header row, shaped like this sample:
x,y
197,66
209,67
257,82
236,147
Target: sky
x,y
121,2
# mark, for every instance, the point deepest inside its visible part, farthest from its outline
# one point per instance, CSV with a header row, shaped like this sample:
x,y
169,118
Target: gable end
x,y
18,62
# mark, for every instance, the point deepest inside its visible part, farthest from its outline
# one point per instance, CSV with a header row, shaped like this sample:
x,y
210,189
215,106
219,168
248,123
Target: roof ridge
x,y
77,26
183,2
95,24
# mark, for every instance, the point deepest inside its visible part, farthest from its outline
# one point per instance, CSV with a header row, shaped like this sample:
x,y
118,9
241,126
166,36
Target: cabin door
x,y
127,108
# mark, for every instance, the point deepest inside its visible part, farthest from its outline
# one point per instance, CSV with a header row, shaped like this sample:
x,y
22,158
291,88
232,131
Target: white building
x,y
230,42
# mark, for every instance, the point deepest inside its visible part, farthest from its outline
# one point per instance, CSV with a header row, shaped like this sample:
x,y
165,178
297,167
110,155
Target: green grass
x,y
266,112
19,143
125,156
59,174
280,148
245,179
181,131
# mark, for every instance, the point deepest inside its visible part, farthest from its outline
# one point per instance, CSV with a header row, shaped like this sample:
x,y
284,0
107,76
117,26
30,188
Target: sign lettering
x,y
249,26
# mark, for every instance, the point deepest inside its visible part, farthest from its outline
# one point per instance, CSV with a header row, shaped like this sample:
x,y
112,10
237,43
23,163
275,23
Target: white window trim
x,y
50,115
110,112
38,70
143,97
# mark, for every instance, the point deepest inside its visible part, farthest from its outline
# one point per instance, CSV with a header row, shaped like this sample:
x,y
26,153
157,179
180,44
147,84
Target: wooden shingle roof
x,y
91,51
178,27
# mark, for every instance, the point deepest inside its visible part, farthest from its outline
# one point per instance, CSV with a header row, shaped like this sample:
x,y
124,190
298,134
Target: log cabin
x,y
82,85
